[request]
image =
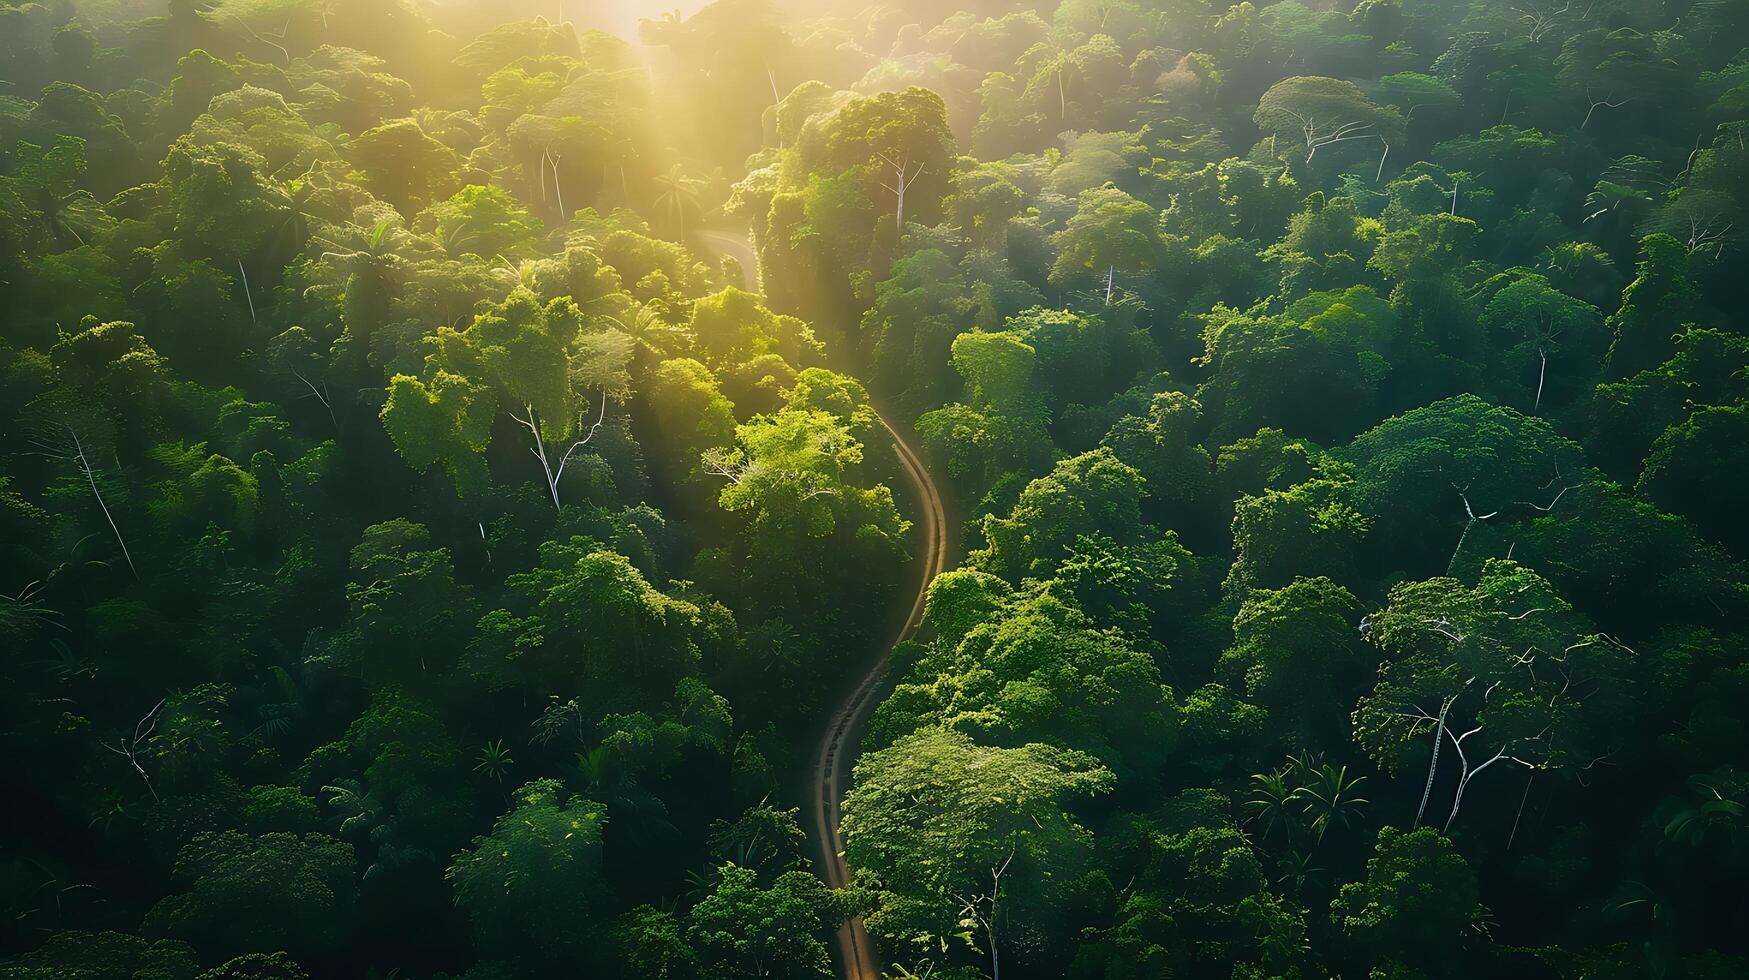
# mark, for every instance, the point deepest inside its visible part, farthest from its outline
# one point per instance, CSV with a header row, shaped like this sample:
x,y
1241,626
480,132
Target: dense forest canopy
x,y
457,457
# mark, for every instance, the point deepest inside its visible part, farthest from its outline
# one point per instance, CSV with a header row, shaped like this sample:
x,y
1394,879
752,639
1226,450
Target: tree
x,y
997,368
1311,529
982,448
257,966
1085,358
742,929
1529,323
588,603
46,182
1604,68
690,413
1111,231
1422,257
1478,461
407,607
1039,670
404,165
444,420
1502,674
1324,247
1161,446
1659,303
1091,493
1417,901
679,197
484,221
290,891
1628,416
1315,370
763,838
1140,589
1298,653
653,943
73,954
1317,113
366,273
70,429
917,313
1687,470
934,814
734,326
537,360
783,467
534,884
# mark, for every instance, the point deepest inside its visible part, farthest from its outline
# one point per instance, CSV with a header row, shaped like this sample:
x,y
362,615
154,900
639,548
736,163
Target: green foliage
x,y
1093,492
76,955
1040,671
1299,655
587,601
404,165
1686,472
742,929
1657,304
444,421
486,221
287,890
1419,897
1335,412
1110,230
537,876
934,813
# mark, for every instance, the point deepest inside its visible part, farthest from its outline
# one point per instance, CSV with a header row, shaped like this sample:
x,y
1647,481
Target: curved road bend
x,y
838,744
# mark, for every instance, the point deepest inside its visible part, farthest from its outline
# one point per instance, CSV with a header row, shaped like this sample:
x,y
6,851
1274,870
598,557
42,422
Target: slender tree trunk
x,y
1541,376
558,191
1433,765
1521,801
995,958
246,294
540,453
91,477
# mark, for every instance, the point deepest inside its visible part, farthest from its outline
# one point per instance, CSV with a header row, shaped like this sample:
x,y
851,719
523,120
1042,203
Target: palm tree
x,y
494,760
361,812
1330,797
47,179
365,820
1272,799
644,323
679,194
365,273
1297,870
631,805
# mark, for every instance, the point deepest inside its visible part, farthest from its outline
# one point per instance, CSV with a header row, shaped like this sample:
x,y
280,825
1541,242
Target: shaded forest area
x,y
420,556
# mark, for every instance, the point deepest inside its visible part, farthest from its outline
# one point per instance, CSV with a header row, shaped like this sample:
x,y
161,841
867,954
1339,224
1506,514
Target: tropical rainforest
x,y
1106,490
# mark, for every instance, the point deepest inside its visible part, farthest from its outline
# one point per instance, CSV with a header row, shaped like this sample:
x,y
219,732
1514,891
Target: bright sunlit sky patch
x,y
622,16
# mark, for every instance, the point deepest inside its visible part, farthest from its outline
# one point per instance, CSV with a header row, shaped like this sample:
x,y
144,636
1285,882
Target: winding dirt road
x,y
838,743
